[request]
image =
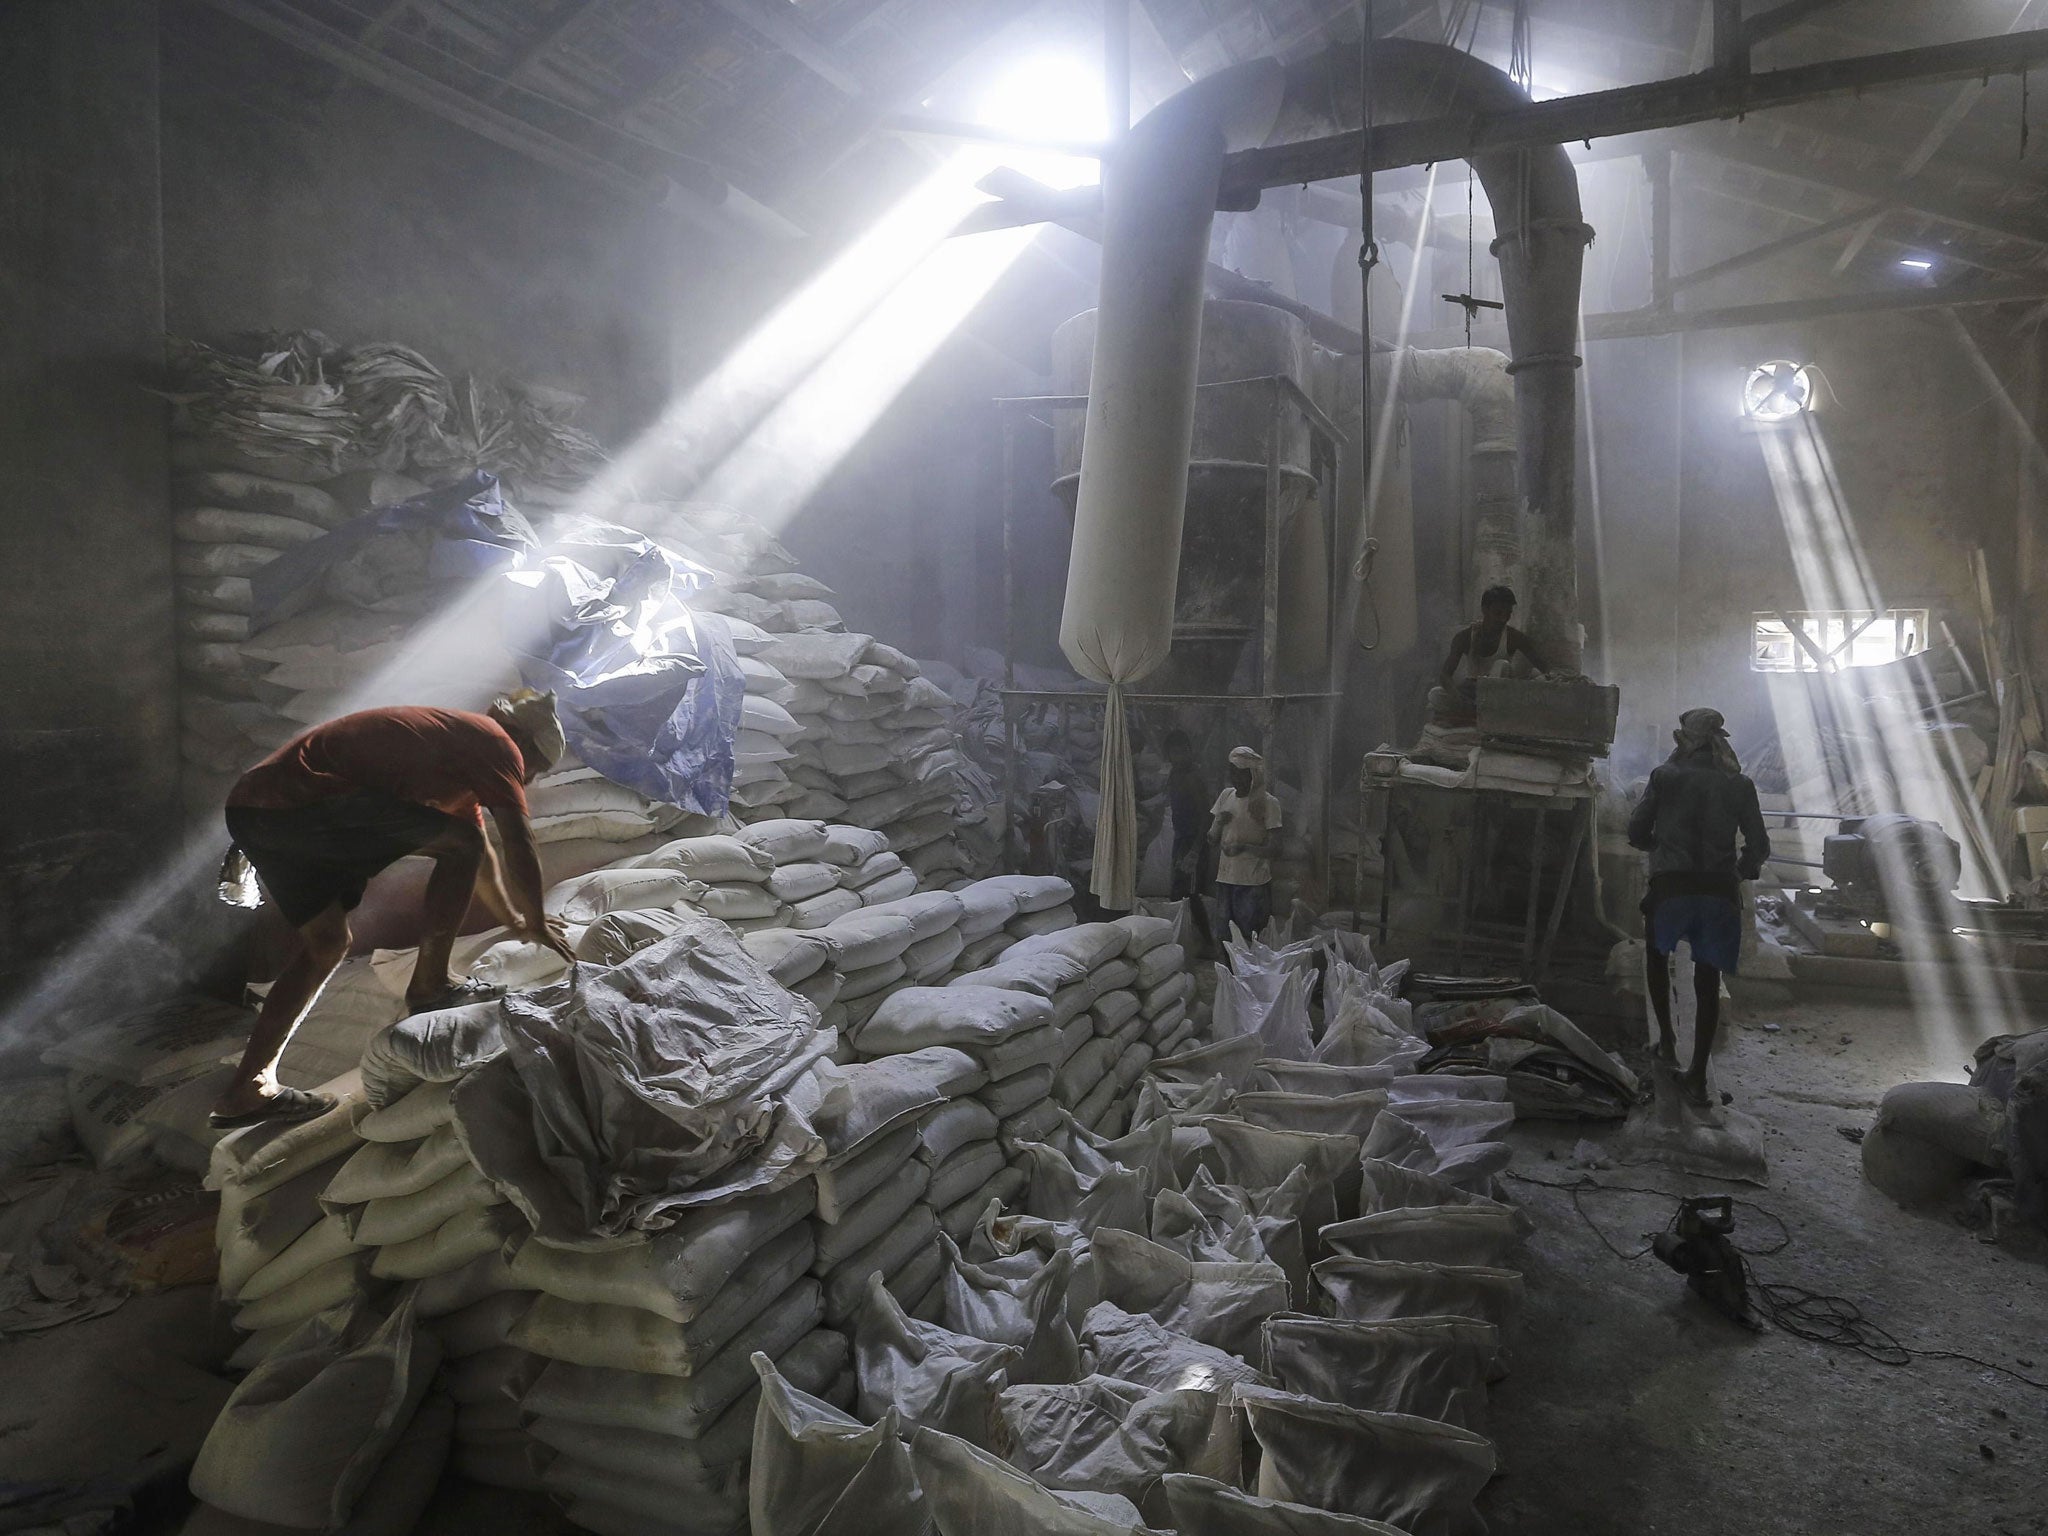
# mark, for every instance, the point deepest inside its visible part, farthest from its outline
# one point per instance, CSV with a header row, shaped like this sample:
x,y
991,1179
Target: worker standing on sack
x,y
1694,807
1245,822
332,808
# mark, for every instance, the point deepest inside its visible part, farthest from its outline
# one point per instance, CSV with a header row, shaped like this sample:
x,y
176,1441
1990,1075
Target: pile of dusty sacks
x,y
281,447
279,441
1264,1291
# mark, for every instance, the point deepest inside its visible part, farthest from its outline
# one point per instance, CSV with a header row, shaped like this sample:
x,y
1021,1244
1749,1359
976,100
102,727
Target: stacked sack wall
x,y
1274,1279
1272,1305
616,1379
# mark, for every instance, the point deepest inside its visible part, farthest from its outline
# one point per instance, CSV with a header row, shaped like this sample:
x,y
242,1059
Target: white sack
x,y
1373,1290
304,1433
819,1472
1028,1311
674,1273
1431,1367
1467,1234
1416,1474
1220,1304
930,1375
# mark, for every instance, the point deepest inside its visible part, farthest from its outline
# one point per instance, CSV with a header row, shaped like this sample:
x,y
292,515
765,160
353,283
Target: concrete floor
x,y
1632,1408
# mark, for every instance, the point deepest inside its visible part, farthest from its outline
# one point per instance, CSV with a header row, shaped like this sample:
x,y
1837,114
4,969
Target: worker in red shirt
x,y
327,811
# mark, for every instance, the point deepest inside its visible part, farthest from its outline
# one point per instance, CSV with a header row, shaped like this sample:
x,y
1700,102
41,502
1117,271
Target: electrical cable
x,y
1816,1316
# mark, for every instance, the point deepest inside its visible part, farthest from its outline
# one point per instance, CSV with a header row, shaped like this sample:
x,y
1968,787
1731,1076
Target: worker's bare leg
x,y
458,854
1706,1019
1657,969
322,944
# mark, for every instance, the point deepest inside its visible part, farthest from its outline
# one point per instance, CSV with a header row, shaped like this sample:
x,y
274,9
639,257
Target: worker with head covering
x,y
1695,806
1491,648
332,808
1245,824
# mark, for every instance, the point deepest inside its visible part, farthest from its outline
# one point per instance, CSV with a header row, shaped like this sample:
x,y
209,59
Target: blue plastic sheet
x,y
649,693
393,557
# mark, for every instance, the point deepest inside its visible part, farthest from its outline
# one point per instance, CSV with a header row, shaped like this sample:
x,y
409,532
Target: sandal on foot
x,y
454,996
283,1107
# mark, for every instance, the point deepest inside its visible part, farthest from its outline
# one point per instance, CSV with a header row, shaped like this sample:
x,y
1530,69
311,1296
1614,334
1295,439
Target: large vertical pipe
x,y
1155,231
1159,197
1534,195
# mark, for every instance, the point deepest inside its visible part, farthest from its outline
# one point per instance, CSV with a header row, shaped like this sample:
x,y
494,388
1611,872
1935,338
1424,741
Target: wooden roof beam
x,y
1781,18
537,47
1765,252
775,22
691,189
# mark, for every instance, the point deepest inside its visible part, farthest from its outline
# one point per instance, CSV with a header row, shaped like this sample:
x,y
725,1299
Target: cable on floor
x,y
1816,1316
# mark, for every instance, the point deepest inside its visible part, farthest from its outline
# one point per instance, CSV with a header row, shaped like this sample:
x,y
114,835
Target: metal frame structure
x,y
1325,439
1480,841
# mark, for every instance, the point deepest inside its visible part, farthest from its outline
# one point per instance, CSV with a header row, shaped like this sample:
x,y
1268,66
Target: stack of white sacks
x,y
1297,1243
1298,1247
834,726
618,1380
244,696
842,727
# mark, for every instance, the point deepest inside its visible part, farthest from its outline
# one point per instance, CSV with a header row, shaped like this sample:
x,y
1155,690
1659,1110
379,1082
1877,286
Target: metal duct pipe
x,y
1475,378
1481,380
1158,202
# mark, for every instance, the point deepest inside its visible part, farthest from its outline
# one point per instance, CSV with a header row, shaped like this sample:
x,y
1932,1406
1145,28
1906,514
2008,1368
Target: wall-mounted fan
x,y
1777,391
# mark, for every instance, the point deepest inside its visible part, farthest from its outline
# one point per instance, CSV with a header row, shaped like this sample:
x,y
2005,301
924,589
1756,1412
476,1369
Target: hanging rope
x,y
1368,258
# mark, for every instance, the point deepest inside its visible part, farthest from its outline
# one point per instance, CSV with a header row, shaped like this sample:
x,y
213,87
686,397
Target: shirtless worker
x,y
1695,805
1491,648
332,808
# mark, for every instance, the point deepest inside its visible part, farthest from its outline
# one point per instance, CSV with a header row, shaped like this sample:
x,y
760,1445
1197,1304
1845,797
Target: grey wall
x,y
88,745
1684,535
1698,535
295,201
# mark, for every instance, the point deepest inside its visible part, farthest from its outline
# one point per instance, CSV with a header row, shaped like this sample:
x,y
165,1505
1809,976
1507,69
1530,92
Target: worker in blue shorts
x,y
1697,804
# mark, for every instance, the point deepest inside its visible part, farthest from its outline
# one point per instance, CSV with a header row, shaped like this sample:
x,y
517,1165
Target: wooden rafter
x,y
775,22
565,20
1769,249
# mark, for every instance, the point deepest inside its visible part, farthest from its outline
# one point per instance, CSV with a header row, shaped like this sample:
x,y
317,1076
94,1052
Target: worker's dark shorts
x,y
1247,908
1711,926
322,855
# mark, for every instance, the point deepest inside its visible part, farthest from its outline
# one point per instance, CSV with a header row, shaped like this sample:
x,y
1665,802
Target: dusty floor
x,y
1634,1409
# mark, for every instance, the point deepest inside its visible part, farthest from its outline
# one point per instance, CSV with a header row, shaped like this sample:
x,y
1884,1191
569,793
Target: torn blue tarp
x,y
394,559
649,693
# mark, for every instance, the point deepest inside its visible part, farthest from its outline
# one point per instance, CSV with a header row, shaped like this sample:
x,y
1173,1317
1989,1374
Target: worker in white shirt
x,y
1245,824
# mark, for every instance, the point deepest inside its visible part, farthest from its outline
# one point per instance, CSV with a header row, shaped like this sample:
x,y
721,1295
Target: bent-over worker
x,y
332,808
1696,804
1491,648
1245,822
